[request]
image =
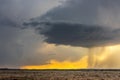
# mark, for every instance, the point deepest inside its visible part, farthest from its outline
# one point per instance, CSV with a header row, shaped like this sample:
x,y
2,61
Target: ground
x,y
59,74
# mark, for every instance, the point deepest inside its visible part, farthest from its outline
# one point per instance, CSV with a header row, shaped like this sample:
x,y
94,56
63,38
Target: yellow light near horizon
x,y
102,58
82,63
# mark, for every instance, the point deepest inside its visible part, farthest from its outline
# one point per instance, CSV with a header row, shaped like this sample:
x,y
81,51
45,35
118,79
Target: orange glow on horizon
x,y
82,63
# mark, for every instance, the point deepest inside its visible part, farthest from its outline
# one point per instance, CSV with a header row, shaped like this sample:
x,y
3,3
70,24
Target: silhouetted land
x,y
62,74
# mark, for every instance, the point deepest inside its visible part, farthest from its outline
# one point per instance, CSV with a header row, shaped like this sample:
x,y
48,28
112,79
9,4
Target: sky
x,y
47,34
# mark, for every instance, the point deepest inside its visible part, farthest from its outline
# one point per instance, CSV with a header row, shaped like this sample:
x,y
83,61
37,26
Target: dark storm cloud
x,y
65,33
17,47
88,14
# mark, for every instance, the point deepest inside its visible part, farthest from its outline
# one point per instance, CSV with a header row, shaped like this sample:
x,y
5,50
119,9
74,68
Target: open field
x,y
93,74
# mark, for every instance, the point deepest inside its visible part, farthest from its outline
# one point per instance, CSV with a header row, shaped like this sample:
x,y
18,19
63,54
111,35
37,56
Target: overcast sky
x,y
55,29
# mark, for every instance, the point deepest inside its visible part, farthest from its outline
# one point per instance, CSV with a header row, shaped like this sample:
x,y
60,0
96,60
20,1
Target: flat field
x,y
87,74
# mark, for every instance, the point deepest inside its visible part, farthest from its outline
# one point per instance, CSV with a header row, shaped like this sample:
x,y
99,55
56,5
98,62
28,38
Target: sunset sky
x,y
59,34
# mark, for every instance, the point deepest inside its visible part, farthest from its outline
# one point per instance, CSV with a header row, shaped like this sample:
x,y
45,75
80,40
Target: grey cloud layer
x,y
85,11
17,46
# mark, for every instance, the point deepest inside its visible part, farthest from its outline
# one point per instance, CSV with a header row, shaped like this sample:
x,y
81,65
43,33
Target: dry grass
x,y
59,75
